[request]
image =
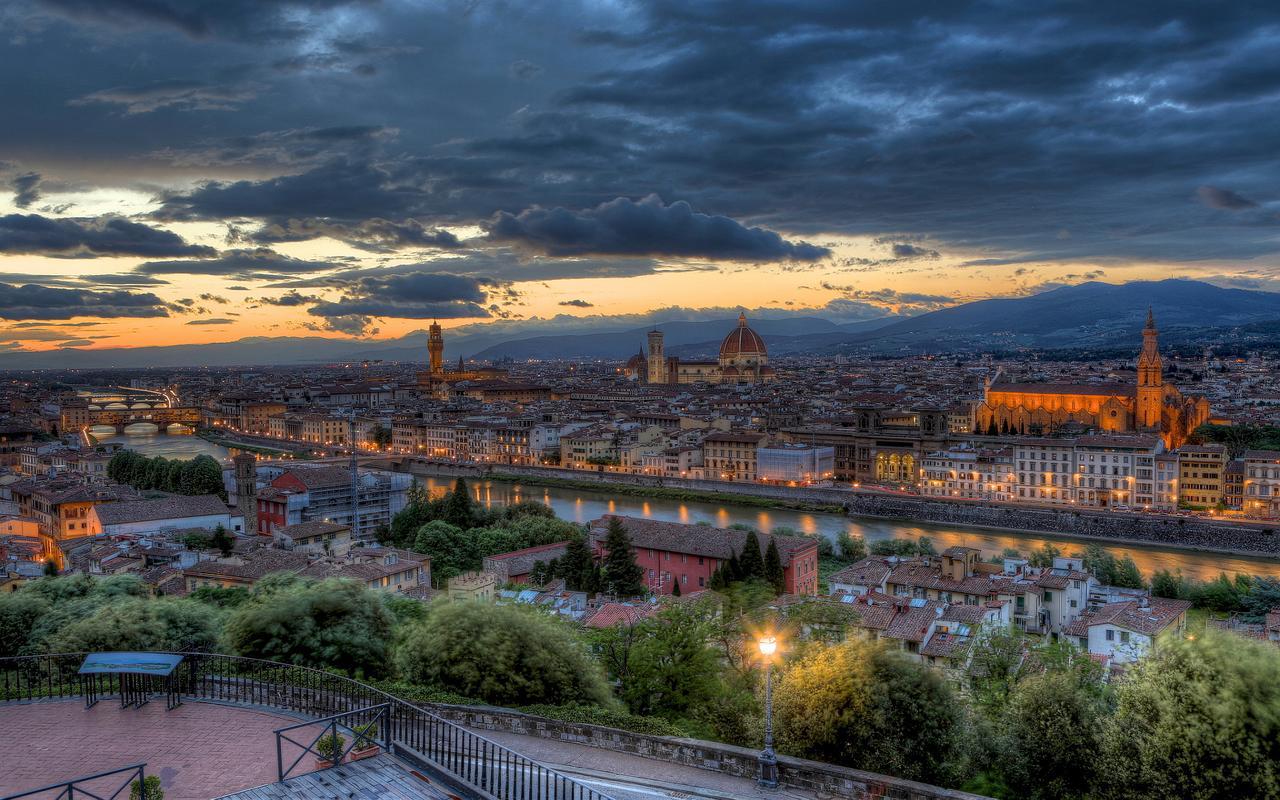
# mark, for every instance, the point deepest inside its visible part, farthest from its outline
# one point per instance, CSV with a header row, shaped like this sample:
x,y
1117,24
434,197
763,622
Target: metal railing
x,y
484,767
366,720
72,789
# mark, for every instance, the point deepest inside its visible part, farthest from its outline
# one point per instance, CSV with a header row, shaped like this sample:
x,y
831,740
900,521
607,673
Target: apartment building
x,y
1201,475
974,473
1262,483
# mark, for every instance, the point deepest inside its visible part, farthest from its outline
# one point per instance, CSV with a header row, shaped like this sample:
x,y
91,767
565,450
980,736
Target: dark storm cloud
x,y
290,299
237,19
412,296
499,264
373,235
26,189
577,303
181,95
30,301
1019,132
1225,199
648,227
258,263
342,189
305,146
211,321
906,251
89,238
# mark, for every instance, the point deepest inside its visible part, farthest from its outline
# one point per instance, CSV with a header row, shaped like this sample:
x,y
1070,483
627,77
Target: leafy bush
x,y
504,655
860,705
1198,718
334,623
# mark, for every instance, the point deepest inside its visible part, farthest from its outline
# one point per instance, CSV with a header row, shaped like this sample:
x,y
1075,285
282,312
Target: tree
x,y
893,547
773,572
1128,575
1263,596
333,623
19,612
51,568
539,574
671,668
852,548
380,435
1101,564
675,587
622,575
924,546
1044,555
223,541
134,623
860,705
1051,736
458,508
505,655
576,564
1196,718
418,511
1171,584
452,552
750,560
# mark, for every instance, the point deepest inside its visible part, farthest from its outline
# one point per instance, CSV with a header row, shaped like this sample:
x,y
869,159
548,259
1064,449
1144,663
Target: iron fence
x,y
413,732
69,790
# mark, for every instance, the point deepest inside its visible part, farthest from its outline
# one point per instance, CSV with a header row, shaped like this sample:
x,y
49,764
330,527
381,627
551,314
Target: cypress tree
x,y
575,566
751,562
622,575
773,567
458,509
675,586
732,569
717,581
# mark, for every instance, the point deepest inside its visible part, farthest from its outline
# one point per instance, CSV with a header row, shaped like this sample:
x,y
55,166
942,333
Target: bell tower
x,y
657,362
246,472
435,347
1150,391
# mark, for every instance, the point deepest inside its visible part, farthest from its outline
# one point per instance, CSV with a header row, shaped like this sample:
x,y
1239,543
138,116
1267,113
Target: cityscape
x,y
593,401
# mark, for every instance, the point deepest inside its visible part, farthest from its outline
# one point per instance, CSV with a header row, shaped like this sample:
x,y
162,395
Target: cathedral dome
x,y
742,341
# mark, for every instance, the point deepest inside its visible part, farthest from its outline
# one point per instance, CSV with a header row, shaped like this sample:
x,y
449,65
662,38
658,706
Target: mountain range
x,y
1090,314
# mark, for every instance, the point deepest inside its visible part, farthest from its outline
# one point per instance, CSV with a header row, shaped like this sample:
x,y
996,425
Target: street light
x,y
768,760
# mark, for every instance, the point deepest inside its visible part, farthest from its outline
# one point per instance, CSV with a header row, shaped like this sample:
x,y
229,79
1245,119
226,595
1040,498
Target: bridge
x,y
120,416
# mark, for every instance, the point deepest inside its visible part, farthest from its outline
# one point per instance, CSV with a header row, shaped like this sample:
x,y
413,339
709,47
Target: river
x,y
583,506
169,445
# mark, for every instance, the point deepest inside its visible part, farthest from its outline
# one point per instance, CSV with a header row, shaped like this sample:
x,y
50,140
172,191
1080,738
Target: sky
x,y
191,171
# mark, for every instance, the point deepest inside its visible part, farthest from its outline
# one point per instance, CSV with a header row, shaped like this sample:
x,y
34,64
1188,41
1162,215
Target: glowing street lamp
x,y
768,759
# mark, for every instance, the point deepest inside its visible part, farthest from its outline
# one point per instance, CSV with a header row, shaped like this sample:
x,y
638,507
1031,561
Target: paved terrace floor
x,y
199,750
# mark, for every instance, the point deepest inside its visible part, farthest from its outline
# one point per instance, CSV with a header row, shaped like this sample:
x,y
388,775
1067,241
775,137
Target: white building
x,y
795,463
142,517
980,474
1045,470
1127,631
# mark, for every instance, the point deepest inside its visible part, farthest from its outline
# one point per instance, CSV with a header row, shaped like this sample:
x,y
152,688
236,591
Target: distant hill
x,y
1089,315
679,338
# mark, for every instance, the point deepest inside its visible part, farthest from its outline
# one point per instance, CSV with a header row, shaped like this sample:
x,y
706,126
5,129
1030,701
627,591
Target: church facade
x,y
743,358
1149,405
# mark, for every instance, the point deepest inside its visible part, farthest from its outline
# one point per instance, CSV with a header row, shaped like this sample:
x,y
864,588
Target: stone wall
x,y
797,773
1251,538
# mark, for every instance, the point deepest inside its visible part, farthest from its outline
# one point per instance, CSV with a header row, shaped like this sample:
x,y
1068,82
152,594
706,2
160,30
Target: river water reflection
x,y
584,506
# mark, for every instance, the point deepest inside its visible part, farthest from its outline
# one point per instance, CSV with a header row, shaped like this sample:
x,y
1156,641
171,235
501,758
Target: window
x,y
1124,637
1048,597
1111,635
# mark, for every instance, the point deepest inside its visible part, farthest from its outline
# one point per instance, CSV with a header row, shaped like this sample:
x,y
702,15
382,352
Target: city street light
x,y
768,759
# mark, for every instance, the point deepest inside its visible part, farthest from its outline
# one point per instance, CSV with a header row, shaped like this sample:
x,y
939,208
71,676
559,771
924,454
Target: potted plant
x,y
329,748
366,744
146,789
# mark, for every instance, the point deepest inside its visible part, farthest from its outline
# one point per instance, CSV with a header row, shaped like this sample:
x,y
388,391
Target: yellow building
x,y
1150,405
1201,475
477,586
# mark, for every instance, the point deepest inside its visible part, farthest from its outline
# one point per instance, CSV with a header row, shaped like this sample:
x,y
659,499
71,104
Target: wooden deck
x,y
380,778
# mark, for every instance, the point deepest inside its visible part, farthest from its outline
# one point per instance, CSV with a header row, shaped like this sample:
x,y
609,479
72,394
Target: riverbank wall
x,y
1239,538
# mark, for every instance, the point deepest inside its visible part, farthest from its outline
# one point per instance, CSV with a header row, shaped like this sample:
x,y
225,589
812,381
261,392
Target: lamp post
x,y
768,760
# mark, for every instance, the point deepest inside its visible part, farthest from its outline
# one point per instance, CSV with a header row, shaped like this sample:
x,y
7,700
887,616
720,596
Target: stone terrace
x,y
199,750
